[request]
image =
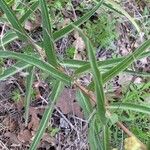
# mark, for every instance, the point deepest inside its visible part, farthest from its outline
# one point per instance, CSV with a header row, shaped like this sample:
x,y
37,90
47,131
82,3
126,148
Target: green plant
x,y
44,58
1,66
70,52
16,96
102,32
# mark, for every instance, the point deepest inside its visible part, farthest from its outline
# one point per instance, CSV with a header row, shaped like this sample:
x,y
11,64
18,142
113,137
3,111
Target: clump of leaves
x,y
61,78
102,32
70,52
16,96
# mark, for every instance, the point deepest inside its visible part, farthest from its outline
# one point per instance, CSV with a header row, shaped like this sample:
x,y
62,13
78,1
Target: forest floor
x,y
67,129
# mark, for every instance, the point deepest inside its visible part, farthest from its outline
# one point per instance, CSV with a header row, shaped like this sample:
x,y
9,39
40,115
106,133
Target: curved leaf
x,y
130,106
38,63
47,115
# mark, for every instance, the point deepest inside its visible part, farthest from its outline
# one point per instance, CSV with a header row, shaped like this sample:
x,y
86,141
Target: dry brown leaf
x,y
31,25
24,136
67,103
11,124
34,123
20,104
12,137
46,137
78,43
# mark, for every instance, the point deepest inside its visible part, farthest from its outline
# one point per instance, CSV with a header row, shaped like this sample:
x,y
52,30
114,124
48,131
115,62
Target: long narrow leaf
x,y
47,115
59,34
13,20
11,35
29,83
84,103
30,10
106,140
19,66
85,66
97,78
93,136
129,106
120,9
38,63
47,34
126,62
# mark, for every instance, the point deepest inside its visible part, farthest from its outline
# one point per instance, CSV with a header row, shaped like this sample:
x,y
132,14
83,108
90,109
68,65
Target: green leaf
x,y
8,37
30,10
47,115
59,34
73,63
93,136
84,66
129,106
47,34
11,35
100,96
85,103
122,11
106,138
19,66
38,63
13,20
125,62
29,82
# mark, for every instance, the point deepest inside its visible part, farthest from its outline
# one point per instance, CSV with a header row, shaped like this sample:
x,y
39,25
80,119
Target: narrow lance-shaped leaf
x,y
29,83
125,62
85,66
100,97
47,34
13,20
59,34
11,35
38,63
20,31
84,103
93,136
106,140
18,67
120,9
30,10
132,107
47,115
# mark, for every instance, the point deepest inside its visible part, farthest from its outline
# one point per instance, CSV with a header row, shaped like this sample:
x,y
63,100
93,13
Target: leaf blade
x,y
29,82
130,106
47,34
100,96
38,63
47,115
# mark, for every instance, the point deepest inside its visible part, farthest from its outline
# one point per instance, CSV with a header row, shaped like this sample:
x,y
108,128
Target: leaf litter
x,y
15,133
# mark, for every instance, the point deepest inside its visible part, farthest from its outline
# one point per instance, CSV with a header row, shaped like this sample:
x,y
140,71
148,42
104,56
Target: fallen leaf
x,y
11,124
31,25
67,103
132,143
46,137
12,137
78,43
24,136
34,123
